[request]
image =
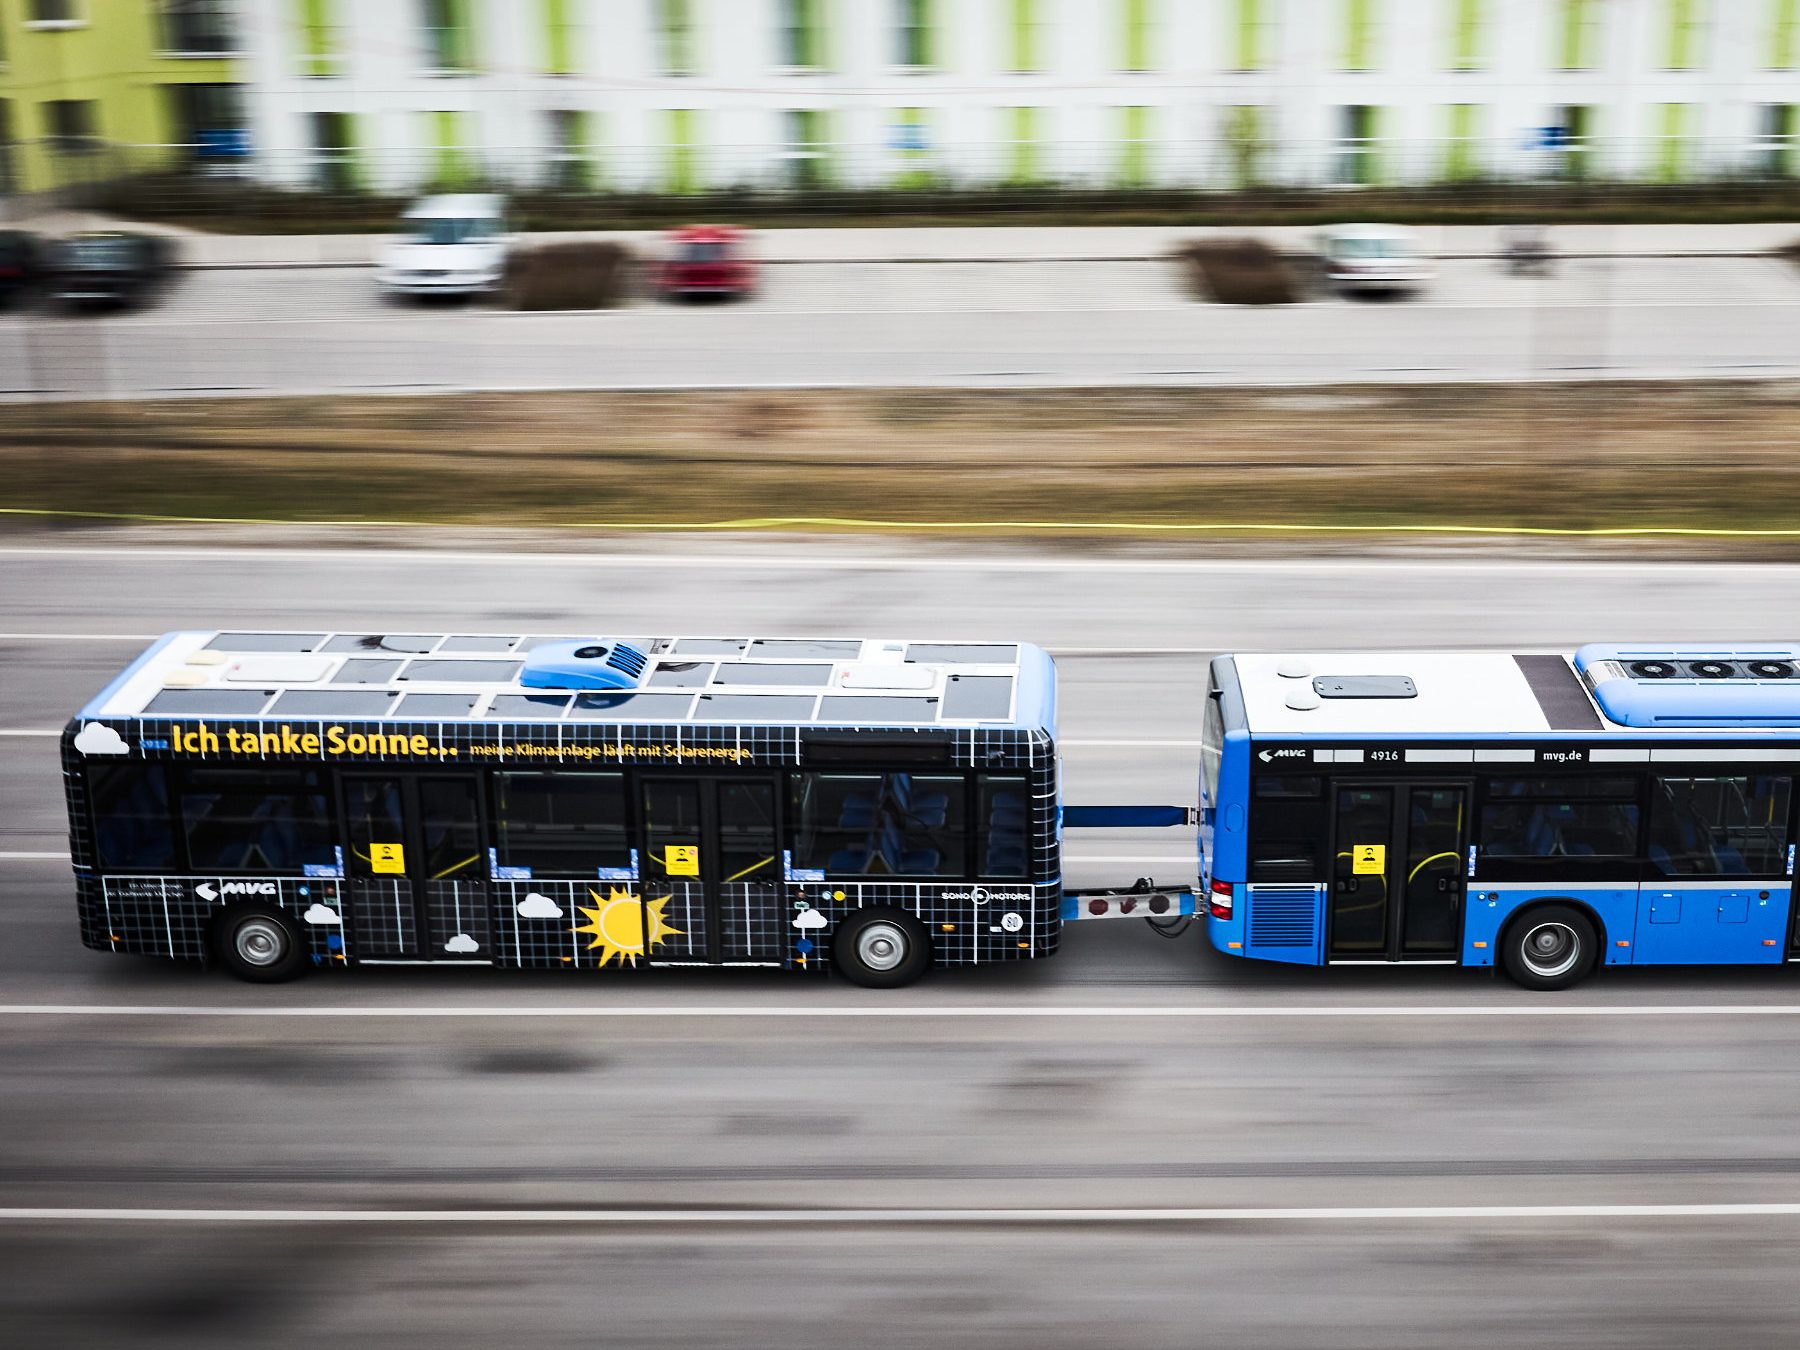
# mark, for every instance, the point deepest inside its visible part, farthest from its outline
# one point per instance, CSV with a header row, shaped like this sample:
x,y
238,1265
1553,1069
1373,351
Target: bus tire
x,y
1550,947
259,943
881,948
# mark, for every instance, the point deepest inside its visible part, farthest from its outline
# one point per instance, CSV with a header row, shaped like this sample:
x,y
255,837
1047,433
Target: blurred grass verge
x,y
1237,272
581,274
1705,455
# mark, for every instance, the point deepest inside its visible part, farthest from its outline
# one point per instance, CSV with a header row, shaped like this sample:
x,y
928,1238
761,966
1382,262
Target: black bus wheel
x,y
881,948
1550,947
259,943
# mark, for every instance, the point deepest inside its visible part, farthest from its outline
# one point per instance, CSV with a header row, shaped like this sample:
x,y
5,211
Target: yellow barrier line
x,y
855,523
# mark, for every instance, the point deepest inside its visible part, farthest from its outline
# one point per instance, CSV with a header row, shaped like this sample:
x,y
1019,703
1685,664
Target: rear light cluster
x,y
1219,900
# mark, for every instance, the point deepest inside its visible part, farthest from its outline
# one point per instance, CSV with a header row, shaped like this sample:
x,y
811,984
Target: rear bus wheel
x,y
1550,947
881,948
260,944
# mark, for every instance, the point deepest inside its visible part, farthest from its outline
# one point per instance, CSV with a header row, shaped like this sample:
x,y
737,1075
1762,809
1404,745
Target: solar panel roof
x,y
476,677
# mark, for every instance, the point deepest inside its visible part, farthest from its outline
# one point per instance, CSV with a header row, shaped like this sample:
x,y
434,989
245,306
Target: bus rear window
x,y
1212,747
132,830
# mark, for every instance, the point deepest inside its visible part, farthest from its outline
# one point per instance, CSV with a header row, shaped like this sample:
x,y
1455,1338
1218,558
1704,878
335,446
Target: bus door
x,y
1398,876
711,869
417,886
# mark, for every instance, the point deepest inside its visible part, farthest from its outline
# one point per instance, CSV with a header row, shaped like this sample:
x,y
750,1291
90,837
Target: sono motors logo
x,y
208,892
982,895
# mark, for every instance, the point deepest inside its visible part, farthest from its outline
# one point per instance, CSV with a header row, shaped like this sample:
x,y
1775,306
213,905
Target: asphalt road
x,y
321,330
992,1158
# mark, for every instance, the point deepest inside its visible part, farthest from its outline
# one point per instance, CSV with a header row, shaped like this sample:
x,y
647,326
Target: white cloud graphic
x,y
810,918
95,738
462,944
321,914
535,906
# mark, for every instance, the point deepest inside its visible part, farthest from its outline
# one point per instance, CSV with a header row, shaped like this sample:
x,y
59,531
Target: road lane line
x,y
31,856
1083,744
766,1218
34,857
905,1011
31,732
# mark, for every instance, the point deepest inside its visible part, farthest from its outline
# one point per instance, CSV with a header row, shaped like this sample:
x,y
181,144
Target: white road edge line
x,y
968,1012
1079,744
952,1217
28,855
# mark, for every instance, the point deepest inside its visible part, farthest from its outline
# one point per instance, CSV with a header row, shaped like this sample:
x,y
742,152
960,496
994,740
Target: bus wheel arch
x,y
881,947
1552,943
262,944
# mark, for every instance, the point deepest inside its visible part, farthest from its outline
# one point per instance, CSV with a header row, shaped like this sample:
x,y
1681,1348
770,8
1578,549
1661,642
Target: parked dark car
x,y
111,267
21,263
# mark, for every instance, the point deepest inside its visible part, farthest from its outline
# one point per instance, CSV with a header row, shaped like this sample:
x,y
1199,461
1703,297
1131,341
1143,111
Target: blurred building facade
x,y
93,88
690,95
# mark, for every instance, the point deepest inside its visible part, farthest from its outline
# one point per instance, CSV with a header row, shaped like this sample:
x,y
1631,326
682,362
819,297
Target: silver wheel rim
x,y
1551,949
881,946
259,943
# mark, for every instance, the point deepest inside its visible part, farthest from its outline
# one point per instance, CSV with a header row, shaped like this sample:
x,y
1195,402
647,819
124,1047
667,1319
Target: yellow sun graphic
x,y
618,925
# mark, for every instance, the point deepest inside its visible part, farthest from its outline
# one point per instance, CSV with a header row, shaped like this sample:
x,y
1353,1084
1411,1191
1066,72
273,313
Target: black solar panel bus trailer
x,y
285,801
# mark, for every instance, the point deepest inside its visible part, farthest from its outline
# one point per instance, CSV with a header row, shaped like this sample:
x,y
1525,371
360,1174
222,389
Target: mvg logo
x,y
206,891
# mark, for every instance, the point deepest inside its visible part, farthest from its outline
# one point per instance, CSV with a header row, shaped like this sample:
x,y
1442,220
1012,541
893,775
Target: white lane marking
x,y
79,637
879,1217
969,1012
826,560
34,857
34,732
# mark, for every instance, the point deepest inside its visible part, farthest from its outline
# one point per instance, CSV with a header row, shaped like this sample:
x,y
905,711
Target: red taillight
x,y
1220,900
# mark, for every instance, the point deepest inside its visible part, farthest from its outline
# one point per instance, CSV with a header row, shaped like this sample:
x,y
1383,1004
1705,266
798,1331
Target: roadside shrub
x,y
1237,272
580,274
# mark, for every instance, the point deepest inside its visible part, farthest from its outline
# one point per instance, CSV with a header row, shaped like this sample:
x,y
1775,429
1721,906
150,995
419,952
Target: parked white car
x,y
1373,259
451,245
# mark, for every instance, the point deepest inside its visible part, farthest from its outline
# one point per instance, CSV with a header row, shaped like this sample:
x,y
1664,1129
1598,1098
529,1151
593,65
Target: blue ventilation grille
x,y
1283,916
593,663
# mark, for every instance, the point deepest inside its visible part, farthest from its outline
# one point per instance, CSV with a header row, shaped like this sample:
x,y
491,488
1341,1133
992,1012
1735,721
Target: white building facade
x,y
695,95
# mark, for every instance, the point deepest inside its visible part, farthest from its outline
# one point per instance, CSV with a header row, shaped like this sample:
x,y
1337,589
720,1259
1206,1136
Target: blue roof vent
x,y
595,663
1694,686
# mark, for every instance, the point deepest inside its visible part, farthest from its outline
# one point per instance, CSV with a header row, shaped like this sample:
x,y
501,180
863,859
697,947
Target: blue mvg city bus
x,y
1546,814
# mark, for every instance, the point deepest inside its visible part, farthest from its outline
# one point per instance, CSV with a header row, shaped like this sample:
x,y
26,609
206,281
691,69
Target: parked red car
x,y
706,260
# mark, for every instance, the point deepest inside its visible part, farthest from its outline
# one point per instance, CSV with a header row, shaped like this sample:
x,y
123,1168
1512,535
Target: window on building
x,y
54,11
1578,34
873,824
1244,131
802,37
208,119
8,169
1719,827
71,126
1359,34
913,36
1784,34
1675,129
560,36
806,148
675,36
1290,833
1468,32
333,151
1025,36
1252,37
1572,140
683,127
1687,34
256,820
1777,150
571,148
1357,144
130,809
319,45
449,39
1138,51
1566,819
1134,147
1021,135
198,26
561,824
910,139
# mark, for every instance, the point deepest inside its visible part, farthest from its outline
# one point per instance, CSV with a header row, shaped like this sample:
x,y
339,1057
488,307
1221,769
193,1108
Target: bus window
x,y
1003,845
1287,841
255,820
896,824
1554,818
131,817
1212,748
450,817
1719,827
562,824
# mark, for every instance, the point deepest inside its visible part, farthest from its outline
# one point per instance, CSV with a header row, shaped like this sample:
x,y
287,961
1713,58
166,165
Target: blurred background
x,y
1141,329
